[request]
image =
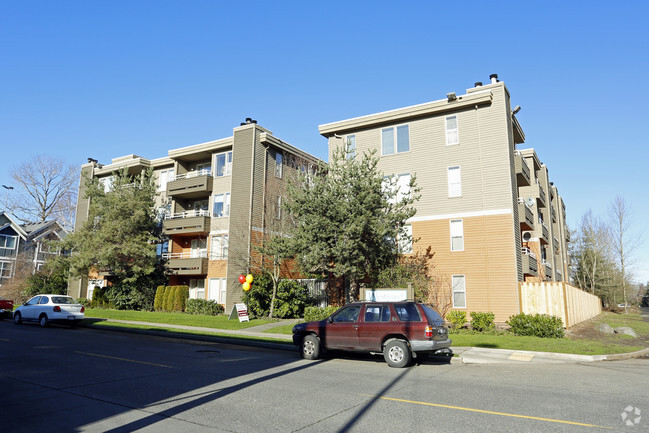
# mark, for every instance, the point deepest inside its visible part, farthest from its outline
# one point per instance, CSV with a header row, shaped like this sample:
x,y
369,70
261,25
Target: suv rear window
x,y
407,312
432,315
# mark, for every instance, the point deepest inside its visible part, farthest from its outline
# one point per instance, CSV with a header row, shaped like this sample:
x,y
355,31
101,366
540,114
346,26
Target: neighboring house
x,y
489,210
217,199
25,244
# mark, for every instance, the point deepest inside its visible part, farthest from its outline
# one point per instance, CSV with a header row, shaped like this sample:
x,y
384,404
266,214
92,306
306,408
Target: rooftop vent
x,y
478,84
493,78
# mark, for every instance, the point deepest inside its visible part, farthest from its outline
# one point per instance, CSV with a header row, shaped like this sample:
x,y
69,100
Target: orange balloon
x,y
246,286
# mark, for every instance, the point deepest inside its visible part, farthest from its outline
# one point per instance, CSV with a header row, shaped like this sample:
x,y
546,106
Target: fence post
x,y
565,304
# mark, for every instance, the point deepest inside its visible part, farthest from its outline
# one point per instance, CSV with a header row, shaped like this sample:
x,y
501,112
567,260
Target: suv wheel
x,y
310,347
397,353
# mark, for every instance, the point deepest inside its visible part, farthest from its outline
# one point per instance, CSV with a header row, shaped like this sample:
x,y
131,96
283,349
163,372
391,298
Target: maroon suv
x,y
399,330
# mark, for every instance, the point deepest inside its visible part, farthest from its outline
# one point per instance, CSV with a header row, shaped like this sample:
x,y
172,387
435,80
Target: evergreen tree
x,y
349,218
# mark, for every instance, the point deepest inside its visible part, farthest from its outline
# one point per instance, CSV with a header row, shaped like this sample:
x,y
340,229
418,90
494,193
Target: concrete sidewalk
x,y
465,355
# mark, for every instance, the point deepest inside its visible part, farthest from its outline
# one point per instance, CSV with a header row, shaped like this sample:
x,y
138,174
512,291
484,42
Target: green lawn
x,y
216,322
601,345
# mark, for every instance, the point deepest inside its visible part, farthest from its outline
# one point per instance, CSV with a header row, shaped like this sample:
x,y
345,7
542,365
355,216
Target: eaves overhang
x,y
201,151
407,113
519,135
266,138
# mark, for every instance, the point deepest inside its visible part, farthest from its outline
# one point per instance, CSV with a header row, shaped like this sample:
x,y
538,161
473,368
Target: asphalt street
x,y
87,380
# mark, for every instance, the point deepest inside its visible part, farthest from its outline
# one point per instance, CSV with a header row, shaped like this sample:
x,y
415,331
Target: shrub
x,y
100,298
456,318
290,301
537,325
203,307
159,298
312,314
83,301
167,299
177,302
482,321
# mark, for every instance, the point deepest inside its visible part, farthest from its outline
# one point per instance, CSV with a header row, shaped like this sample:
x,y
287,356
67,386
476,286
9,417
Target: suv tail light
x,y
56,309
429,331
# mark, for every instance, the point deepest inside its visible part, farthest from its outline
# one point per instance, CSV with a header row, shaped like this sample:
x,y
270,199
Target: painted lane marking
x,y
513,415
123,359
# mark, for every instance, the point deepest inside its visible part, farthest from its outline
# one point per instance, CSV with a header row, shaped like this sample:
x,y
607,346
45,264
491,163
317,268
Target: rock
x,y
605,328
626,331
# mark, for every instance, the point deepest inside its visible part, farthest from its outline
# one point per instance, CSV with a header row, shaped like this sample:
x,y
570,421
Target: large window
x,y
203,168
395,139
452,136
350,144
5,269
457,235
459,291
197,289
216,290
164,177
219,247
454,182
8,242
223,164
222,205
399,184
278,164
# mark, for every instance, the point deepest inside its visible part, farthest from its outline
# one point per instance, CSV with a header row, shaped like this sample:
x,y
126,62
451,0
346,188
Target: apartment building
x,y
216,201
488,209
25,245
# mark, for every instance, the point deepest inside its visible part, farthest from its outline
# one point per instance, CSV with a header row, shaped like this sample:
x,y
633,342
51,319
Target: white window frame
x,y
227,164
279,162
405,243
164,177
452,132
457,289
223,243
226,205
218,285
350,146
6,269
5,239
196,290
395,140
454,185
456,227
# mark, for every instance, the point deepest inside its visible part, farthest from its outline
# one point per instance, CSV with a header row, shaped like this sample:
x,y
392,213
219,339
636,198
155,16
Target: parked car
x,y
46,309
6,308
398,330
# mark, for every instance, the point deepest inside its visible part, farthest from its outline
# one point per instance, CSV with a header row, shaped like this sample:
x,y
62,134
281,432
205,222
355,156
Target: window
x,y
5,269
216,290
278,164
377,313
399,185
452,136
197,289
347,315
351,147
223,164
407,312
162,248
8,242
106,183
388,140
198,248
454,182
222,205
278,207
459,291
405,239
219,247
164,177
203,168
201,208
457,235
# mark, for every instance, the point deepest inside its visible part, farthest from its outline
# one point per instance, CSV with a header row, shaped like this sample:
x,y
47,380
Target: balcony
x,y
185,264
545,233
548,269
525,215
193,221
523,176
530,264
554,214
540,198
195,184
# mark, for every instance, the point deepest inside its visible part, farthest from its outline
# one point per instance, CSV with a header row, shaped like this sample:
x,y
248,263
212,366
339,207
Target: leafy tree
x,y
120,236
53,278
348,218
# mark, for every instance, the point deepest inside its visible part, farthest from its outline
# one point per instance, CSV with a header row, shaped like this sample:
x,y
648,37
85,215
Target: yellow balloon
x,y
246,286
249,278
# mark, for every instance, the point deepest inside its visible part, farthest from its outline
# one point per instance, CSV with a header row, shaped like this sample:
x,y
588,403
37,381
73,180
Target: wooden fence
x,y
559,299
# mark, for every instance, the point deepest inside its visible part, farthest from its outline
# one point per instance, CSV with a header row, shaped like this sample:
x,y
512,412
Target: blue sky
x,y
104,79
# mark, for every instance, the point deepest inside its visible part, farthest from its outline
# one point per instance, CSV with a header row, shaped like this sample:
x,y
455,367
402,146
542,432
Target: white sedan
x,y
45,309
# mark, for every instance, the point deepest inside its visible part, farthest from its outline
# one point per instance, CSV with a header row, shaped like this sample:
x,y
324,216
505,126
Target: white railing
x,y
526,251
202,254
190,174
187,214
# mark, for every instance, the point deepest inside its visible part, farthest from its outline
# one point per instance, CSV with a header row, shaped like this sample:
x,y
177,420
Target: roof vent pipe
x,y
478,84
493,78
248,119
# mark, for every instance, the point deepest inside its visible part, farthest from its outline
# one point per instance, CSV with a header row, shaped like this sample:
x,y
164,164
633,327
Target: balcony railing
x,y
186,223
530,264
525,215
195,184
188,214
187,263
523,175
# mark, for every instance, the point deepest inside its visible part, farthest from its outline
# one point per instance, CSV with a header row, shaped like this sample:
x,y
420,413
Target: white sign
x,y
242,312
385,295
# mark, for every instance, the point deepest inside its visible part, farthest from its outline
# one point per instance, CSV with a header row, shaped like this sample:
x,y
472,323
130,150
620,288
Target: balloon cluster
x,y
246,281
